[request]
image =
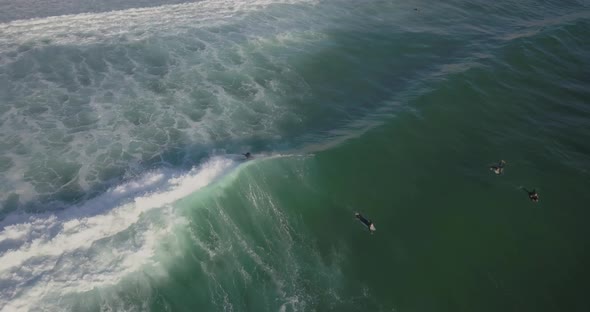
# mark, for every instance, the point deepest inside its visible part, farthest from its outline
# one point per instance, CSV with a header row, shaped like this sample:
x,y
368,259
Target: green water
x,y
348,107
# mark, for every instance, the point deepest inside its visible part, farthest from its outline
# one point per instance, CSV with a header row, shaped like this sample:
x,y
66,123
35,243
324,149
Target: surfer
x,y
533,195
247,155
368,223
499,168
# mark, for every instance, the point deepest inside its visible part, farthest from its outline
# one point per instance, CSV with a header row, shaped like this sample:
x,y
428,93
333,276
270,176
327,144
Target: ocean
x,y
123,186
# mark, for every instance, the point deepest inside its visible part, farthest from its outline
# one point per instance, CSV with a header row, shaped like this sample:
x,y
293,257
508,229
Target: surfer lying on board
x,y
367,223
533,195
247,155
499,168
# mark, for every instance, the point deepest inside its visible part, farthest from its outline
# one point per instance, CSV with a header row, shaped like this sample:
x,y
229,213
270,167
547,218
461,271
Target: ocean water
x,y
123,188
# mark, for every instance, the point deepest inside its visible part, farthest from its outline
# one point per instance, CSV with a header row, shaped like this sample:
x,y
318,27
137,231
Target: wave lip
x,y
96,244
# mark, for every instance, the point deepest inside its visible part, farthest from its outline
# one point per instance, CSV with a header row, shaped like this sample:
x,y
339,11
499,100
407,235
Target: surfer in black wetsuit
x,y
247,155
499,168
367,223
533,195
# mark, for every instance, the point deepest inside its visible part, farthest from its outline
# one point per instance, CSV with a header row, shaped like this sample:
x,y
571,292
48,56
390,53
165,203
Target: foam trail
x,y
49,255
92,27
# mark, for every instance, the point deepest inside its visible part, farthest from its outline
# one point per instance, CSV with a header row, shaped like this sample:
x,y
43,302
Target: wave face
x,y
123,187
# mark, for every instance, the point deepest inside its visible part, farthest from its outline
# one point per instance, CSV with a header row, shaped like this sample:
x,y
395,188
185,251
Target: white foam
x,y
91,27
82,115
94,245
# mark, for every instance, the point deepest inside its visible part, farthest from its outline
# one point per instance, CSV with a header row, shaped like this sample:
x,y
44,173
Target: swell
x,y
227,229
120,103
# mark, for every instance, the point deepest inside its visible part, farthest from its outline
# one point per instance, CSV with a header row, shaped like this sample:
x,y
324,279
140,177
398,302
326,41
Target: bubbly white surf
x,y
93,27
87,99
46,256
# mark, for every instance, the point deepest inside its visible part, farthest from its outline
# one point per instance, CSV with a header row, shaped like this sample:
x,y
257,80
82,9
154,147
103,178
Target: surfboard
x,y
365,222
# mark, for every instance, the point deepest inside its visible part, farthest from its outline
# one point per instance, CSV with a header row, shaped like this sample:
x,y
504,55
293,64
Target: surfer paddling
x,y
533,195
368,223
499,168
247,155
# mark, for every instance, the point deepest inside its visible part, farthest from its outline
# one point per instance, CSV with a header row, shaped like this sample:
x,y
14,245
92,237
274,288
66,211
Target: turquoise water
x,y
123,187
